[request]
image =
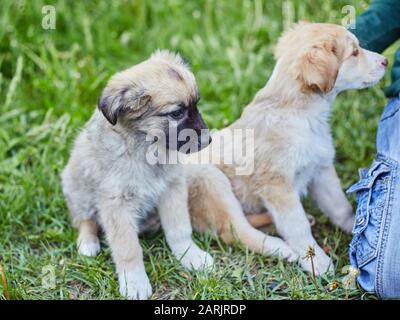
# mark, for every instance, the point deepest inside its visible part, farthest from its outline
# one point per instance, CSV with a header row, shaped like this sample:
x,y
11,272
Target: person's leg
x,y
374,248
388,143
388,268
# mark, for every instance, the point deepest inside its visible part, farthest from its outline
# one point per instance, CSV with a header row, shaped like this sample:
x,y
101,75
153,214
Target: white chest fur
x,y
313,145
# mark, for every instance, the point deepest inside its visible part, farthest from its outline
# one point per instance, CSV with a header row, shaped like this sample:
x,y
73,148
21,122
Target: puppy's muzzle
x,y
189,136
204,138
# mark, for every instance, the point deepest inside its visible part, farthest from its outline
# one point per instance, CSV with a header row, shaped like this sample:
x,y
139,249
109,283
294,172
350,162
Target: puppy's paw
x,y
322,263
135,285
279,248
288,254
89,247
196,259
347,224
344,218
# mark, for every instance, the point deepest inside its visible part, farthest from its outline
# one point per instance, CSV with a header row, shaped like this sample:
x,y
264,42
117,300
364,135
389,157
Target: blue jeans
x,y
375,247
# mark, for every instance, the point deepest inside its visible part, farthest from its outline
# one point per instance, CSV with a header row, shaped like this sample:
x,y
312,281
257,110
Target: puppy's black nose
x,y
385,62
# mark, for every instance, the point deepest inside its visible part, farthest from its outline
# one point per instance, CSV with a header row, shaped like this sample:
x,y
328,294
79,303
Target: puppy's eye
x,y
355,52
177,114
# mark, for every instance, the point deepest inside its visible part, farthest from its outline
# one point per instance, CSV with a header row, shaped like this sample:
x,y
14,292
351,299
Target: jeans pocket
x,y
372,192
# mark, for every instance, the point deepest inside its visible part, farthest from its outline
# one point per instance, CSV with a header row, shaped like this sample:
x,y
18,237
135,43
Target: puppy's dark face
x,y
184,127
157,98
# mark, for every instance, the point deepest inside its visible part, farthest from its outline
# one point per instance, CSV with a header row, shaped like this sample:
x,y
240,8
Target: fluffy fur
x,y
293,150
108,180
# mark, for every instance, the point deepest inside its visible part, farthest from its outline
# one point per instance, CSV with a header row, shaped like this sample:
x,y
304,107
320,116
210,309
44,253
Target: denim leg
x,y
388,268
373,205
388,137
388,143
375,248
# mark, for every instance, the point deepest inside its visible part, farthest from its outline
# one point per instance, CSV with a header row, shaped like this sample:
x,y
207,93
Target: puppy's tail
x,y
214,206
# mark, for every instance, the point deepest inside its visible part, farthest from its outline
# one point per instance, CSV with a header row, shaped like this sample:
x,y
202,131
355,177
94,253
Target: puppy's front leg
x,y
292,224
118,221
88,240
328,193
174,216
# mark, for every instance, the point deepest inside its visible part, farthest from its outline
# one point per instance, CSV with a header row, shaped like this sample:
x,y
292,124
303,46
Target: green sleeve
x,y
379,27
394,88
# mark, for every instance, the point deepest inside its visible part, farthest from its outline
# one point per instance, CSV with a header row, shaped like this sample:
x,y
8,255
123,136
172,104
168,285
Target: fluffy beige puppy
x,y
109,180
293,147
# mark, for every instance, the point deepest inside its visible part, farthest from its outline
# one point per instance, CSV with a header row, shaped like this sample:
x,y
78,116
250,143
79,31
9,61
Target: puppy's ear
x,y
114,103
319,68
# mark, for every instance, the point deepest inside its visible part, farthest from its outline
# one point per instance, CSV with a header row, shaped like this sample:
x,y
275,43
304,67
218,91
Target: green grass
x,y
49,84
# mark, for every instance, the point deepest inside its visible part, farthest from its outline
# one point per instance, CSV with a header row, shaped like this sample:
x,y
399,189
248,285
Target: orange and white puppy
x,y
293,148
